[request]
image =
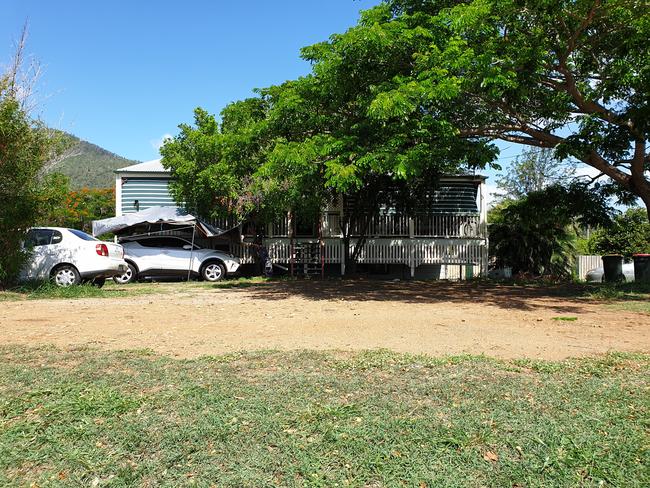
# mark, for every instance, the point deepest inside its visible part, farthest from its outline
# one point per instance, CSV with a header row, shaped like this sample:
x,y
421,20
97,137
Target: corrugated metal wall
x,y
587,263
147,192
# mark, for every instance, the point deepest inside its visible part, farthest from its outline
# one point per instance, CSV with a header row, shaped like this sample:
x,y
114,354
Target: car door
x,y
174,256
45,246
145,253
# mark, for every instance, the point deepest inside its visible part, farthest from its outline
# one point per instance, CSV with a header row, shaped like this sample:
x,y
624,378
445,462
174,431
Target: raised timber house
x,y
445,238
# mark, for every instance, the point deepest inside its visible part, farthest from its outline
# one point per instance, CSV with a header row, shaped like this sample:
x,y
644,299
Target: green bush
x,y
536,234
25,146
628,234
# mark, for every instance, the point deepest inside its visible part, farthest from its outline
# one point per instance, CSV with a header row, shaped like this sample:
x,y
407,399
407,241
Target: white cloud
x,y
158,143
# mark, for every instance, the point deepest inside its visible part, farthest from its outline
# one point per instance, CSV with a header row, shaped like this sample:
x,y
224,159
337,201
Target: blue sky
x,y
123,74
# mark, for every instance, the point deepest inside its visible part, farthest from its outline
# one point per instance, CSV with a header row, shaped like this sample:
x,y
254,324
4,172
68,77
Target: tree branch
x,y
570,86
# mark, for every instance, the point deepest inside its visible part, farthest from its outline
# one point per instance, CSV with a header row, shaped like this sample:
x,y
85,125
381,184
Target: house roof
x,y
154,166
463,178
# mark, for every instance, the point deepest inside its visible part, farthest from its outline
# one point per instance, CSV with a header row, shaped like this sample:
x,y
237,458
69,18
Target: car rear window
x,y
82,235
42,237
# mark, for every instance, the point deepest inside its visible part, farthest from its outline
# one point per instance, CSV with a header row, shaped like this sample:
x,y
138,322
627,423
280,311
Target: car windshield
x,y
82,235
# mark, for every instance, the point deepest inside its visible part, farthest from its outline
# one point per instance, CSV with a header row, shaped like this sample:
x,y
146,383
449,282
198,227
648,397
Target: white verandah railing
x,y
446,225
463,225
409,252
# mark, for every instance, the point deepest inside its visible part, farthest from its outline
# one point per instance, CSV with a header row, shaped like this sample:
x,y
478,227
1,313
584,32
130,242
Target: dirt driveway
x,y
433,318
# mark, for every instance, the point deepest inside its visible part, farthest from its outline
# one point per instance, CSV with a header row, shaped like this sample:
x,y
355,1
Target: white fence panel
x,y
585,263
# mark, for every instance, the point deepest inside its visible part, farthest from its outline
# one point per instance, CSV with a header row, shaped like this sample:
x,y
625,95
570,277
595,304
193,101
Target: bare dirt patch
x,y
416,317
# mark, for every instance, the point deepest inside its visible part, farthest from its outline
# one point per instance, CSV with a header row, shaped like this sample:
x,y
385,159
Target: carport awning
x,y
154,215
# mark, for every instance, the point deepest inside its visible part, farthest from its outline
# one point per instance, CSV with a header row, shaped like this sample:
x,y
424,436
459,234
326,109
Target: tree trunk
x,y
361,242
346,251
645,198
363,211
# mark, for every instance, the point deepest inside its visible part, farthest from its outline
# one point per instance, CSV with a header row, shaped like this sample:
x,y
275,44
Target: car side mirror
x,y
187,247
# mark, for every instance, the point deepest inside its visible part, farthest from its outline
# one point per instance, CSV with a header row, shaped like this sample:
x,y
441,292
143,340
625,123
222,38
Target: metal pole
x,y
189,269
321,246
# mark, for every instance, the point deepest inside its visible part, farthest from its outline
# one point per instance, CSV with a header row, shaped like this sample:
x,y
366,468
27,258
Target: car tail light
x,y
101,249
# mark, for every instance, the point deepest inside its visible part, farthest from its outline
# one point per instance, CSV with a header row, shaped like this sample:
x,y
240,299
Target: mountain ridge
x,y
86,164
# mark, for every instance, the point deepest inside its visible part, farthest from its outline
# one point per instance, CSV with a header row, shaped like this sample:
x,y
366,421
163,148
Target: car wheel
x,y
129,276
66,275
213,271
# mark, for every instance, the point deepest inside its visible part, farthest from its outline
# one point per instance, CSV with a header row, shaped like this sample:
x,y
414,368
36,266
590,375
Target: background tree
x,y
62,207
533,170
628,234
530,236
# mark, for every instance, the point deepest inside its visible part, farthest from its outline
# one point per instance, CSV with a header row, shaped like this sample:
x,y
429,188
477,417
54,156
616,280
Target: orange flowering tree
x,y
77,209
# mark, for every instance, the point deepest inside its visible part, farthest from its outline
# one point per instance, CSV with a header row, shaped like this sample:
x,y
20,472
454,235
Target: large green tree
x,y
419,88
568,75
298,145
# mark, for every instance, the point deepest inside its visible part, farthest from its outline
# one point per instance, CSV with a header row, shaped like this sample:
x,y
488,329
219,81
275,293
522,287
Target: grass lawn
x,y
376,419
632,297
43,290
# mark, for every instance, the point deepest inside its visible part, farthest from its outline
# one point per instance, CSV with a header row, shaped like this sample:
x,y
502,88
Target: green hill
x,y
88,165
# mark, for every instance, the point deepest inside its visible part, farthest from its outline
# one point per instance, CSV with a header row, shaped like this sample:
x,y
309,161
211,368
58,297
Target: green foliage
x,y
572,76
421,88
54,191
296,145
535,234
628,234
83,417
25,146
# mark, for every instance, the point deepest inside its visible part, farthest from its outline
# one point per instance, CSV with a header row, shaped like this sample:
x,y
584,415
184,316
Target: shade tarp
x,y
154,215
